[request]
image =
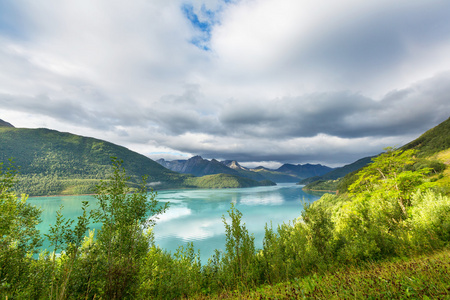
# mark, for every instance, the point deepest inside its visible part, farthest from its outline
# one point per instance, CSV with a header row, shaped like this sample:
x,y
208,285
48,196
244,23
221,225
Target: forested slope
x,y
426,146
432,141
52,162
396,208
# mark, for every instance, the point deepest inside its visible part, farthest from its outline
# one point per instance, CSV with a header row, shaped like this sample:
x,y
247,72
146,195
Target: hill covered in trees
x,y
426,147
340,172
387,235
53,162
434,140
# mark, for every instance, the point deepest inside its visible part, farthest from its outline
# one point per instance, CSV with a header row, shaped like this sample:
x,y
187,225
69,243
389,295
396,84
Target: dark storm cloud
x,y
281,80
100,115
366,44
55,108
343,114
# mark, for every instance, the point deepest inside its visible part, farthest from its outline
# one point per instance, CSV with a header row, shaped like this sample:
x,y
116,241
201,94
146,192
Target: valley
x,y
395,206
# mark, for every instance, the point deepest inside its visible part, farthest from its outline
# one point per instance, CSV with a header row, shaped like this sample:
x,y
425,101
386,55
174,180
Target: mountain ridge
x,y
429,143
198,166
60,163
5,124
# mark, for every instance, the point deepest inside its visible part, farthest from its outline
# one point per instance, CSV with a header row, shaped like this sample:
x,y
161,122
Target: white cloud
x,y
283,81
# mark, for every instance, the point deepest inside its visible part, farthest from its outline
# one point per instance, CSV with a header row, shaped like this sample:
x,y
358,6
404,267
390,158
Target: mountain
x,y
341,171
433,147
226,181
232,164
304,171
5,124
275,176
434,140
197,166
53,162
245,172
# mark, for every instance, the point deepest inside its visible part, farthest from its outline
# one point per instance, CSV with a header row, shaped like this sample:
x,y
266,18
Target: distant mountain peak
x,y
196,158
232,164
260,168
5,124
304,171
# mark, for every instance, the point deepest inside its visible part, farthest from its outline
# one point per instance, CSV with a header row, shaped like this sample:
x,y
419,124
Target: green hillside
x,y
427,147
53,162
5,124
340,172
432,141
432,150
304,171
219,181
386,237
275,176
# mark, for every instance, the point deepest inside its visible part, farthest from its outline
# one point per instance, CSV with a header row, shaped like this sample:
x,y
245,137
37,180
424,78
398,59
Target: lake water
x,y
196,215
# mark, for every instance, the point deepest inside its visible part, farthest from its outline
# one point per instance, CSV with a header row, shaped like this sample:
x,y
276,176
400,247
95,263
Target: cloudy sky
x,y
269,81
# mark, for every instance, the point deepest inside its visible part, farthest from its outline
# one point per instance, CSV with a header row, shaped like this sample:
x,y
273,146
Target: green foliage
x,y
346,181
18,218
384,216
166,276
391,211
19,236
58,163
122,240
426,277
238,261
396,161
322,185
276,176
429,220
219,181
340,172
63,237
432,141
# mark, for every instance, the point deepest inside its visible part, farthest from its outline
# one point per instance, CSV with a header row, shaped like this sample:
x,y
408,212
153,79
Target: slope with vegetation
x,y
5,124
427,145
339,172
53,162
305,170
274,175
432,141
218,181
347,246
392,210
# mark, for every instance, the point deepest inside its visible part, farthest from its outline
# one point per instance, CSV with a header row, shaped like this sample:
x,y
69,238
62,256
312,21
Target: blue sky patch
x,y
10,18
203,21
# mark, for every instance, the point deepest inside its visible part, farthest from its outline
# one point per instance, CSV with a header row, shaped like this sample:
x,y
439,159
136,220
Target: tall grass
x,y
422,277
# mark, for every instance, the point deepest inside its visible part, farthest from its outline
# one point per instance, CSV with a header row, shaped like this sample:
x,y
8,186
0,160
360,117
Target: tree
x,y
239,259
387,177
123,240
63,237
19,236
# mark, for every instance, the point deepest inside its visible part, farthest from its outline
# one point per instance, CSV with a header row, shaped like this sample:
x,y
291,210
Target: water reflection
x,y
196,215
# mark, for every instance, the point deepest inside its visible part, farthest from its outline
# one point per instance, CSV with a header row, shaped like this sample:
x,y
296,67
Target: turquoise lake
x,y
196,215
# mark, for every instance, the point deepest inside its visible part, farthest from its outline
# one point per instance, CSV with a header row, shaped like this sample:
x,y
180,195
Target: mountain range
x,y
432,146
52,162
198,166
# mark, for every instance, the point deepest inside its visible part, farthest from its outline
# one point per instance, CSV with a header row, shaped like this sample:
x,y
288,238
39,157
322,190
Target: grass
x,y
423,277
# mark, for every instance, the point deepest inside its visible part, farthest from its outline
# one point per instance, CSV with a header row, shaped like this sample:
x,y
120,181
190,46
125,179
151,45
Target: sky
x,y
263,82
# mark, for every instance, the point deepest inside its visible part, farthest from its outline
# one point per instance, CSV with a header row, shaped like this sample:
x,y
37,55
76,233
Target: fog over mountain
x,y
263,82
